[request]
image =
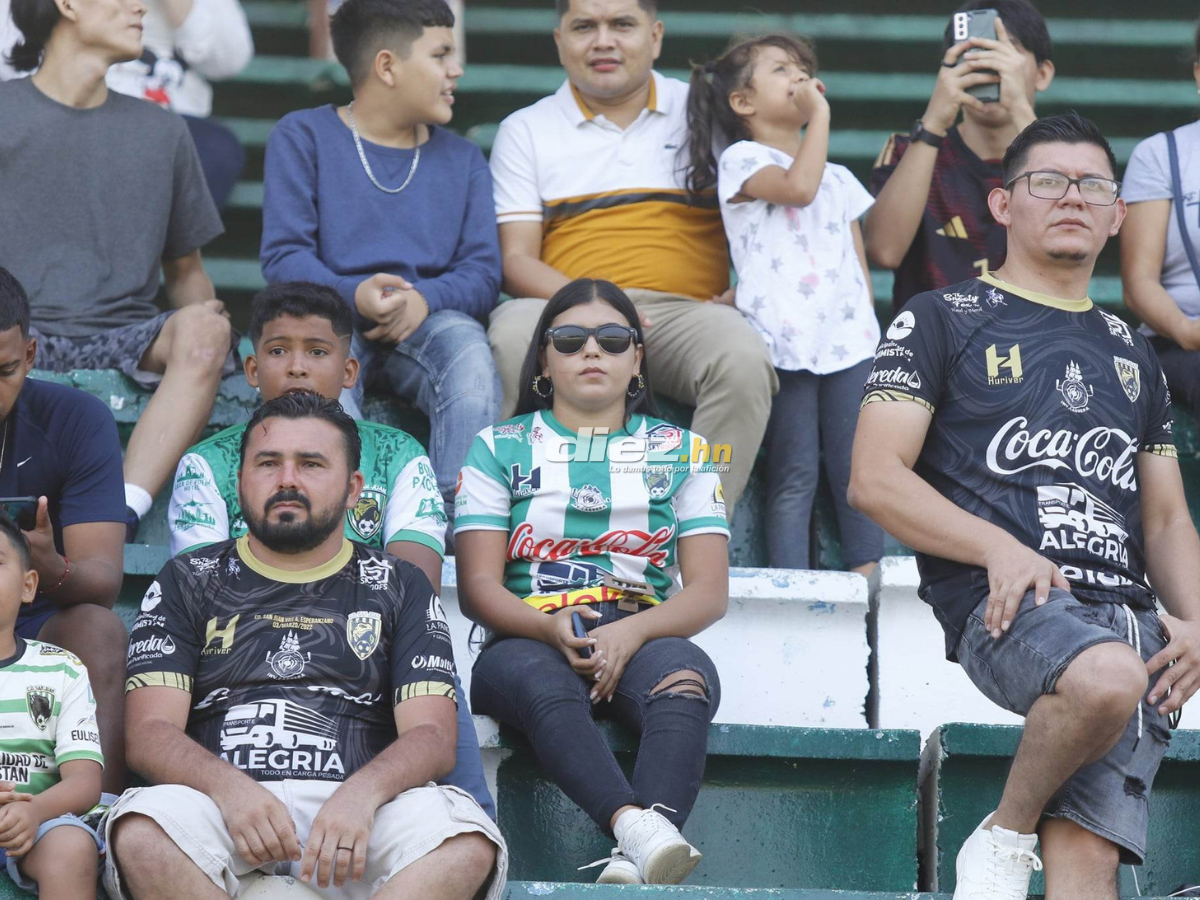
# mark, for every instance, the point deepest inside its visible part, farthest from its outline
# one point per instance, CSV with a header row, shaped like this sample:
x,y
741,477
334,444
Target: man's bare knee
x,y
474,854
137,841
685,683
1106,681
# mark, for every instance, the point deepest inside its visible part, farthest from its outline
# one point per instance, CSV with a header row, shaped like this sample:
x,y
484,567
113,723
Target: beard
x,y
1072,255
292,534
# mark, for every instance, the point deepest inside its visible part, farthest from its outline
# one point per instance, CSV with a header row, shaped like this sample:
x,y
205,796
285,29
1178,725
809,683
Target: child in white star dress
x,y
791,218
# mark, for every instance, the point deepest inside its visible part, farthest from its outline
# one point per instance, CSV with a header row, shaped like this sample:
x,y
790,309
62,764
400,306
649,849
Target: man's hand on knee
x,y
337,841
1012,570
1180,681
258,822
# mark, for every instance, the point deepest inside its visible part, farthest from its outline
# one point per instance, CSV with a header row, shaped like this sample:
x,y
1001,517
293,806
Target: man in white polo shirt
x,y
589,184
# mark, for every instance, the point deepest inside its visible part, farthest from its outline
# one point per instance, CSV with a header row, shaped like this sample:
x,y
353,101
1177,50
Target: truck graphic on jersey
x,y
1071,506
277,723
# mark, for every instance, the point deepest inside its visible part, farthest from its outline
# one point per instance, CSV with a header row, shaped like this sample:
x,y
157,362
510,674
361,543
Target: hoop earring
x,y
641,386
537,386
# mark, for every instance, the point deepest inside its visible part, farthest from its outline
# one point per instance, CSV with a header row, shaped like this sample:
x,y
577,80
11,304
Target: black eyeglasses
x,y
1054,186
568,339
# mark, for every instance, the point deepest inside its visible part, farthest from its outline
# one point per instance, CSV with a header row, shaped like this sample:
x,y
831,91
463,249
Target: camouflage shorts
x,y
118,348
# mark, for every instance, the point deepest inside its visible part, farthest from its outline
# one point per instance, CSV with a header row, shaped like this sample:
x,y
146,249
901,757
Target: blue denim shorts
x,y
1109,797
27,884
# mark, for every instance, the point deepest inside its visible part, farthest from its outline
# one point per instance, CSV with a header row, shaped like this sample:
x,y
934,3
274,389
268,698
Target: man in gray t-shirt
x,y
99,195
1160,286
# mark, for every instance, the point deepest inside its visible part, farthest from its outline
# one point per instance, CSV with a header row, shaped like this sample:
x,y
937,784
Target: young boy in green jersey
x,y
301,334
50,761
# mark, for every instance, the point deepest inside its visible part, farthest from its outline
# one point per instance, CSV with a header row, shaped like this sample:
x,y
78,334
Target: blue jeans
x,y
468,766
446,369
810,414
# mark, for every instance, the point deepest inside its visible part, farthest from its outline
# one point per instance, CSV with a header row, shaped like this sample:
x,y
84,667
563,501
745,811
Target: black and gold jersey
x,y
292,674
1040,409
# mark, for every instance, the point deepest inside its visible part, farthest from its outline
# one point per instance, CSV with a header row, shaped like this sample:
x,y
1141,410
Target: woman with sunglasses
x,y
578,515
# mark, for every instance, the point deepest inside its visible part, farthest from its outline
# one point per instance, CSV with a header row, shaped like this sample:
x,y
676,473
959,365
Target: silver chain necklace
x,y
367,166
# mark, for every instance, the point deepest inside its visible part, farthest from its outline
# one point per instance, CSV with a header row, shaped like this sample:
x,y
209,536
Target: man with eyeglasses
x,y
1034,471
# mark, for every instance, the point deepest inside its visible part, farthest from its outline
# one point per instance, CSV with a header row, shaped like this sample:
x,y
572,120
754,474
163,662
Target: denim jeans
x,y
810,414
445,368
1109,796
467,773
529,685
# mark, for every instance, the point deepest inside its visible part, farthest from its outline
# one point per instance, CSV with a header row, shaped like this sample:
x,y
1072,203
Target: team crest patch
x,y
362,632
589,498
1130,377
366,517
40,702
718,499
658,482
1075,392
288,662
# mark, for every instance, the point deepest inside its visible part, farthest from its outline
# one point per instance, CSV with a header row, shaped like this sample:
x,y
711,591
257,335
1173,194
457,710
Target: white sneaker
x,y
649,840
996,864
619,870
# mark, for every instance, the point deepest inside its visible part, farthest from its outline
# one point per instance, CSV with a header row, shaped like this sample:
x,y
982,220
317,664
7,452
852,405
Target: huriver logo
x,y
1011,362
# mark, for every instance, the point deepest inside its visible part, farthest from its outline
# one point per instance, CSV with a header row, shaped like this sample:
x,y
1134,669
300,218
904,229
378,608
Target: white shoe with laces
x,y
996,864
619,870
647,838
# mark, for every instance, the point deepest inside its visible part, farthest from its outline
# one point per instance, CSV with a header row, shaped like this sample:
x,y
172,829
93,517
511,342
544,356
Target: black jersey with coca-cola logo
x,y
293,675
1040,407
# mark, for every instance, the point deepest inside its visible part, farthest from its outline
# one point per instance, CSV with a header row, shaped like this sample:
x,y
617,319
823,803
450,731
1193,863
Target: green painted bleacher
x,y
780,807
963,772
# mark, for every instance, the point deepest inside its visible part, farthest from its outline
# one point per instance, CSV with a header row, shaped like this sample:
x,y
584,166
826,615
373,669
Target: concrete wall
x,y
792,650
915,686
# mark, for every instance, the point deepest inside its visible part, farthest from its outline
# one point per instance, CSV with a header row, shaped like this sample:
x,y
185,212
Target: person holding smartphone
x,y
930,222
551,526
60,446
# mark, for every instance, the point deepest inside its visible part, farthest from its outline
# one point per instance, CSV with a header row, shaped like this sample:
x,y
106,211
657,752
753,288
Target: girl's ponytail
x,y
702,159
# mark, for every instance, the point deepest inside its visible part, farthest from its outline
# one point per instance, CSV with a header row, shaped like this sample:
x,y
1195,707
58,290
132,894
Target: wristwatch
x,y
924,135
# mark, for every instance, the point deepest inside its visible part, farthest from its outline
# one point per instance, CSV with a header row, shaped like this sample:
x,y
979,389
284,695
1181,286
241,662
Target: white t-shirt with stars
x,y
800,282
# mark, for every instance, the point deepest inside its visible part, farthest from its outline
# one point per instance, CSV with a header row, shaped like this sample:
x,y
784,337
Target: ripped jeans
x,y
530,686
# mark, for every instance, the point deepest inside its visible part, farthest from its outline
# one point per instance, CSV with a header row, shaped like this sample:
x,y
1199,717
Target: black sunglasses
x,y
568,339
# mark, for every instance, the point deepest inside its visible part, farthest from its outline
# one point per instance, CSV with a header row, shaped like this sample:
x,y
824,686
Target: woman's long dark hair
x,y
712,123
578,292
35,19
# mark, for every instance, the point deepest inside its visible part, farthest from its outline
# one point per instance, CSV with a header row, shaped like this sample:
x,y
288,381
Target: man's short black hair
x,y
14,303
361,28
1069,128
299,299
1024,23
650,7
17,538
307,405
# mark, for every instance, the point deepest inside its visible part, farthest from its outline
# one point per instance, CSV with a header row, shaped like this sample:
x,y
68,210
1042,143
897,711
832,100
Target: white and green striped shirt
x,y
570,522
47,715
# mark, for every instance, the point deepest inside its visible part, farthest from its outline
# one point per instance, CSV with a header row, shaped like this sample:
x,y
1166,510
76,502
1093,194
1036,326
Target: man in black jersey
x,y
1033,470
930,222
291,698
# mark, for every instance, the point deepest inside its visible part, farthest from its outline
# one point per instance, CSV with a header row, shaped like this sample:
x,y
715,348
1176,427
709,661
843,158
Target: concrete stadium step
x,y
780,807
888,42
963,771
487,93
854,148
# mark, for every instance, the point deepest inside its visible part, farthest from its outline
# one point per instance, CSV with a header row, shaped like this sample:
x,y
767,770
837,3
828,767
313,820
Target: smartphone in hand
x,y
978,23
580,632
22,510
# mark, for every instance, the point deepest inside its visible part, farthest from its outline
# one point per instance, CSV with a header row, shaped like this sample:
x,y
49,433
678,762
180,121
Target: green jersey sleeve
x,y
482,500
